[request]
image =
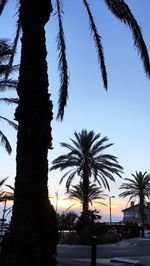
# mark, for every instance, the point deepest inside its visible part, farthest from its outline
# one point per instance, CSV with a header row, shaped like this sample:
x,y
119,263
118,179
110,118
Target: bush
x,y
71,238
84,235
107,238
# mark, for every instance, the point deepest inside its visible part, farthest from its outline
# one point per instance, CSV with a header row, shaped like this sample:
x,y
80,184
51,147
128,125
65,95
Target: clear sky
x,y
122,114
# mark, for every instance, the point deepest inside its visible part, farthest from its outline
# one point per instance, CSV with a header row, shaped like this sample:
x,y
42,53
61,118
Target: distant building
x,y
132,214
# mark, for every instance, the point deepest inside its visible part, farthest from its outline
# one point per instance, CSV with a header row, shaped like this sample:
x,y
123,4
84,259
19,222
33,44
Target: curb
x,y
126,260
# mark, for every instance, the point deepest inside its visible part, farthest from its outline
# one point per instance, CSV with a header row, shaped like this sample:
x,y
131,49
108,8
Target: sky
x,y
122,113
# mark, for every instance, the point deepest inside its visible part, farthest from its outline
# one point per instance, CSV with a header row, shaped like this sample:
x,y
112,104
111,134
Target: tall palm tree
x,y
95,193
5,54
34,116
87,159
137,188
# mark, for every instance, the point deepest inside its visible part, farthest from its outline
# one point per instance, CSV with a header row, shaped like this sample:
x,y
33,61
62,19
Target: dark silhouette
x,y
33,232
138,187
5,54
95,193
87,159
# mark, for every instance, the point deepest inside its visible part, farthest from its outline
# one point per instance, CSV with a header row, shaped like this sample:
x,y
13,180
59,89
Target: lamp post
x,y
56,193
110,197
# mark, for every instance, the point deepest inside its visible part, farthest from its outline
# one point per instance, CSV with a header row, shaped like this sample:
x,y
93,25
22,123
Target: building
x,y
132,214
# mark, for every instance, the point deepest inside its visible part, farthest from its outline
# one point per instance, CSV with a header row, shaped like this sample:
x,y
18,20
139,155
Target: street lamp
x,y
56,193
110,197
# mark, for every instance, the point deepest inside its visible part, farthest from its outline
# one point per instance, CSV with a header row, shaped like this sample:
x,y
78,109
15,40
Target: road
x,y
70,255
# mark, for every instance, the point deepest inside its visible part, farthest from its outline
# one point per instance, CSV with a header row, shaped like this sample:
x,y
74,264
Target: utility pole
x,y
56,193
110,197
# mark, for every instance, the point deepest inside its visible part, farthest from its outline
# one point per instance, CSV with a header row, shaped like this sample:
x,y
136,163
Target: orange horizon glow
x,y
117,205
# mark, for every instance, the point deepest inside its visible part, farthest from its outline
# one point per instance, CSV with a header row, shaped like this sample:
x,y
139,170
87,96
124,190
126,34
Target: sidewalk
x,y
138,261
145,261
141,261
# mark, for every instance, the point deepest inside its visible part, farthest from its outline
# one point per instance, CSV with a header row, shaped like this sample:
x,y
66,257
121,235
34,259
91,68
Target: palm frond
x,y
12,188
136,188
121,10
70,207
63,65
5,50
11,123
14,47
3,181
98,44
5,142
81,155
7,85
2,5
9,100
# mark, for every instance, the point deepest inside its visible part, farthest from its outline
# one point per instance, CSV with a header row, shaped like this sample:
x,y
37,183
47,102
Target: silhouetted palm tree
x,y
95,193
34,116
137,188
5,53
86,158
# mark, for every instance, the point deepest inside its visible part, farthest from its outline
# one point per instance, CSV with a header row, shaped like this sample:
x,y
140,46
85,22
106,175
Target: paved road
x,y
70,255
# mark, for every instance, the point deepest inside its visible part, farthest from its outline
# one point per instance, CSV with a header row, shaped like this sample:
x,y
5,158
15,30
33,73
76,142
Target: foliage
x,y
66,220
86,232
86,155
71,238
34,114
5,54
1,183
86,158
138,187
120,10
84,235
94,193
108,237
93,215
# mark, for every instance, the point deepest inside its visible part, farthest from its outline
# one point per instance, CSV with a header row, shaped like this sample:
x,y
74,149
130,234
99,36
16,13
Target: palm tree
x,y
5,54
86,159
94,193
34,116
138,187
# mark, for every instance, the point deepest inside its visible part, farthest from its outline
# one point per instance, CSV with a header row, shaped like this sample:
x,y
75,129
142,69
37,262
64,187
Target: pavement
x,y
142,261
138,261
120,261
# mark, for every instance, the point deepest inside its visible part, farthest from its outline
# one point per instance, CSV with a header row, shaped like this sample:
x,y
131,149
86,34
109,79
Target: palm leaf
x,y
121,10
11,123
14,47
98,44
9,84
3,181
5,142
2,5
63,65
9,100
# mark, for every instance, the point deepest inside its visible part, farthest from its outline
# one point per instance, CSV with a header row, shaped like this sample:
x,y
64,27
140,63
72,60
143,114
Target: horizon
x,y
122,114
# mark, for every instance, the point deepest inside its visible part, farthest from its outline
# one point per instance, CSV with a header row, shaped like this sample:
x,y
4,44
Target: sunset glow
x,y
117,205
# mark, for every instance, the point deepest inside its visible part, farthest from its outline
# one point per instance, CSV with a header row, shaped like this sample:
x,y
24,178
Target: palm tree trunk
x,y
33,232
86,217
142,212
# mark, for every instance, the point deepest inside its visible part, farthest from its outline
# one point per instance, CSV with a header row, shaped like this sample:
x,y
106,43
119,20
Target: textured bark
x,y
142,211
32,238
86,217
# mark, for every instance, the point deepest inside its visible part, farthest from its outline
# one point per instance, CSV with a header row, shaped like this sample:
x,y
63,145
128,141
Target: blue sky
x,y
122,114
